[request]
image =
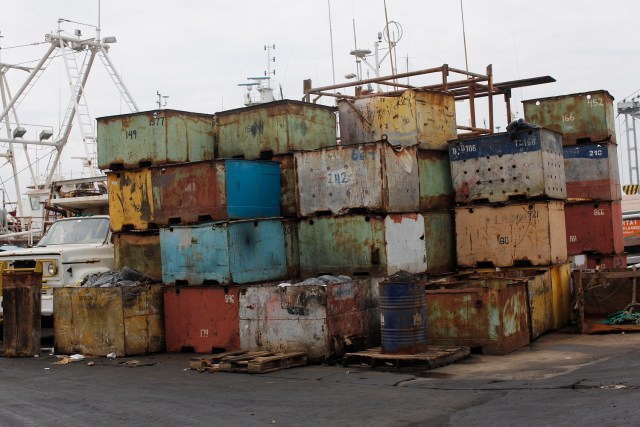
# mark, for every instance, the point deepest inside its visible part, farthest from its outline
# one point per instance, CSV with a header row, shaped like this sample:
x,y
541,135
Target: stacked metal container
x,y
377,203
185,217
593,210
510,239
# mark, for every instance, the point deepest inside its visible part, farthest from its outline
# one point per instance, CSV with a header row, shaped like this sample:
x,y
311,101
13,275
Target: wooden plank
x,y
434,357
279,361
201,362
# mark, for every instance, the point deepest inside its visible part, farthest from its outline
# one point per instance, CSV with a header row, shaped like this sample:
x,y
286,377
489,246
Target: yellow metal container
x,y
126,320
427,118
130,199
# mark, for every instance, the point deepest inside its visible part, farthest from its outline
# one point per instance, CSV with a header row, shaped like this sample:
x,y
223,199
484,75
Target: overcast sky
x,y
196,52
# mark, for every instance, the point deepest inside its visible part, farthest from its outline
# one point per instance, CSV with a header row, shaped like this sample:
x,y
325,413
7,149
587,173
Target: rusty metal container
x,y
598,294
280,127
130,200
154,137
594,227
291,247
202,319
503,166
486,313
436,188
125,320
375,177
362,244
519,234
440,241
288,203
223,252
215,190
425,118
21,301
579,117
139,250
321,319
548,291
591,171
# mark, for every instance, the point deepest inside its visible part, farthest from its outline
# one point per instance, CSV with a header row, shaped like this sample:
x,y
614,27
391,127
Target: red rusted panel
x,y
201,319
601,262
288,204
140,251
591,171
594,227
490,314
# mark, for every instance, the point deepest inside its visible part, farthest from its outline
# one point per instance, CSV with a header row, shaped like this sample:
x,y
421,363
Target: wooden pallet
x,y
252,362
434,357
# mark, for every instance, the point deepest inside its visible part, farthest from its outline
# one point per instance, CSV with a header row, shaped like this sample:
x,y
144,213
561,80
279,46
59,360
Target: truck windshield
x,y
76,231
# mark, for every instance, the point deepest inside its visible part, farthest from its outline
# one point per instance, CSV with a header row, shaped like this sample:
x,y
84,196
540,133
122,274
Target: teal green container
x,y
440,241
154,138
436,187
579,117
280,127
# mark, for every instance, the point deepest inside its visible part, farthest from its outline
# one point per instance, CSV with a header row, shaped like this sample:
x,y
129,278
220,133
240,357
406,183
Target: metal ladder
x,y
117,80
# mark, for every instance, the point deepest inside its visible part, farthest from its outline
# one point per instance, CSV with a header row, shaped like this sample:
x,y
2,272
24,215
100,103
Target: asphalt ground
x,y
561,379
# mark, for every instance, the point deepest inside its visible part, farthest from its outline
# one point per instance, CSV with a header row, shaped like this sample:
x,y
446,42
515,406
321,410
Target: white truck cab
x,y
71,249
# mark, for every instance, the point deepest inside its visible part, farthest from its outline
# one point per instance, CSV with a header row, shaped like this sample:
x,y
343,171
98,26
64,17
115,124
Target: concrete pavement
x,y
561,379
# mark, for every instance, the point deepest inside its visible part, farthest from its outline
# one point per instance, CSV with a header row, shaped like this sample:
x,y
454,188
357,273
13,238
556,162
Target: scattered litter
x,y
90,363
63,360
36,355
76,357
46,369
131,362
111,355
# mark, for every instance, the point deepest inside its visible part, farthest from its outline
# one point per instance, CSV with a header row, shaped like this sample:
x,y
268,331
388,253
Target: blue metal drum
x,y
403,317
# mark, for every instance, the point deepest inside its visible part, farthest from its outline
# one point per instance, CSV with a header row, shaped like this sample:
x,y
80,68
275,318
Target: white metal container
x,y
375,176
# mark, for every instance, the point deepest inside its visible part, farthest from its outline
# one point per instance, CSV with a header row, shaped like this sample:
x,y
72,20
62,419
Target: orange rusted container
x,y
201,319
486,313
288,204
519,234
594,227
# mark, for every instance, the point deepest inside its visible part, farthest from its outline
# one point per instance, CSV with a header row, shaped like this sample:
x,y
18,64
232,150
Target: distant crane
x,y
631,111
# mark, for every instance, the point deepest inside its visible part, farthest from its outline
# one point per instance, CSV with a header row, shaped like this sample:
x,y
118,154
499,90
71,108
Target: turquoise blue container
x,y
403,317
225,252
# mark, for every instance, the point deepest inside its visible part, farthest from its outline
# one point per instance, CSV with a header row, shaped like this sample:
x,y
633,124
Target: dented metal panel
x,y
288,203
594,227
291,247
519,234
601,262
21,293
486,313
279,127
503,166
591,171
362,244
124,320
154,137
139,251
440,241
436,187
376,177
215,190
202,319
223,252
130,199
323,321
579,117
425,118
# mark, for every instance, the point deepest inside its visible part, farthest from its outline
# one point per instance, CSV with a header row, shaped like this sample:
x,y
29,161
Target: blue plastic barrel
x,y
403,317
